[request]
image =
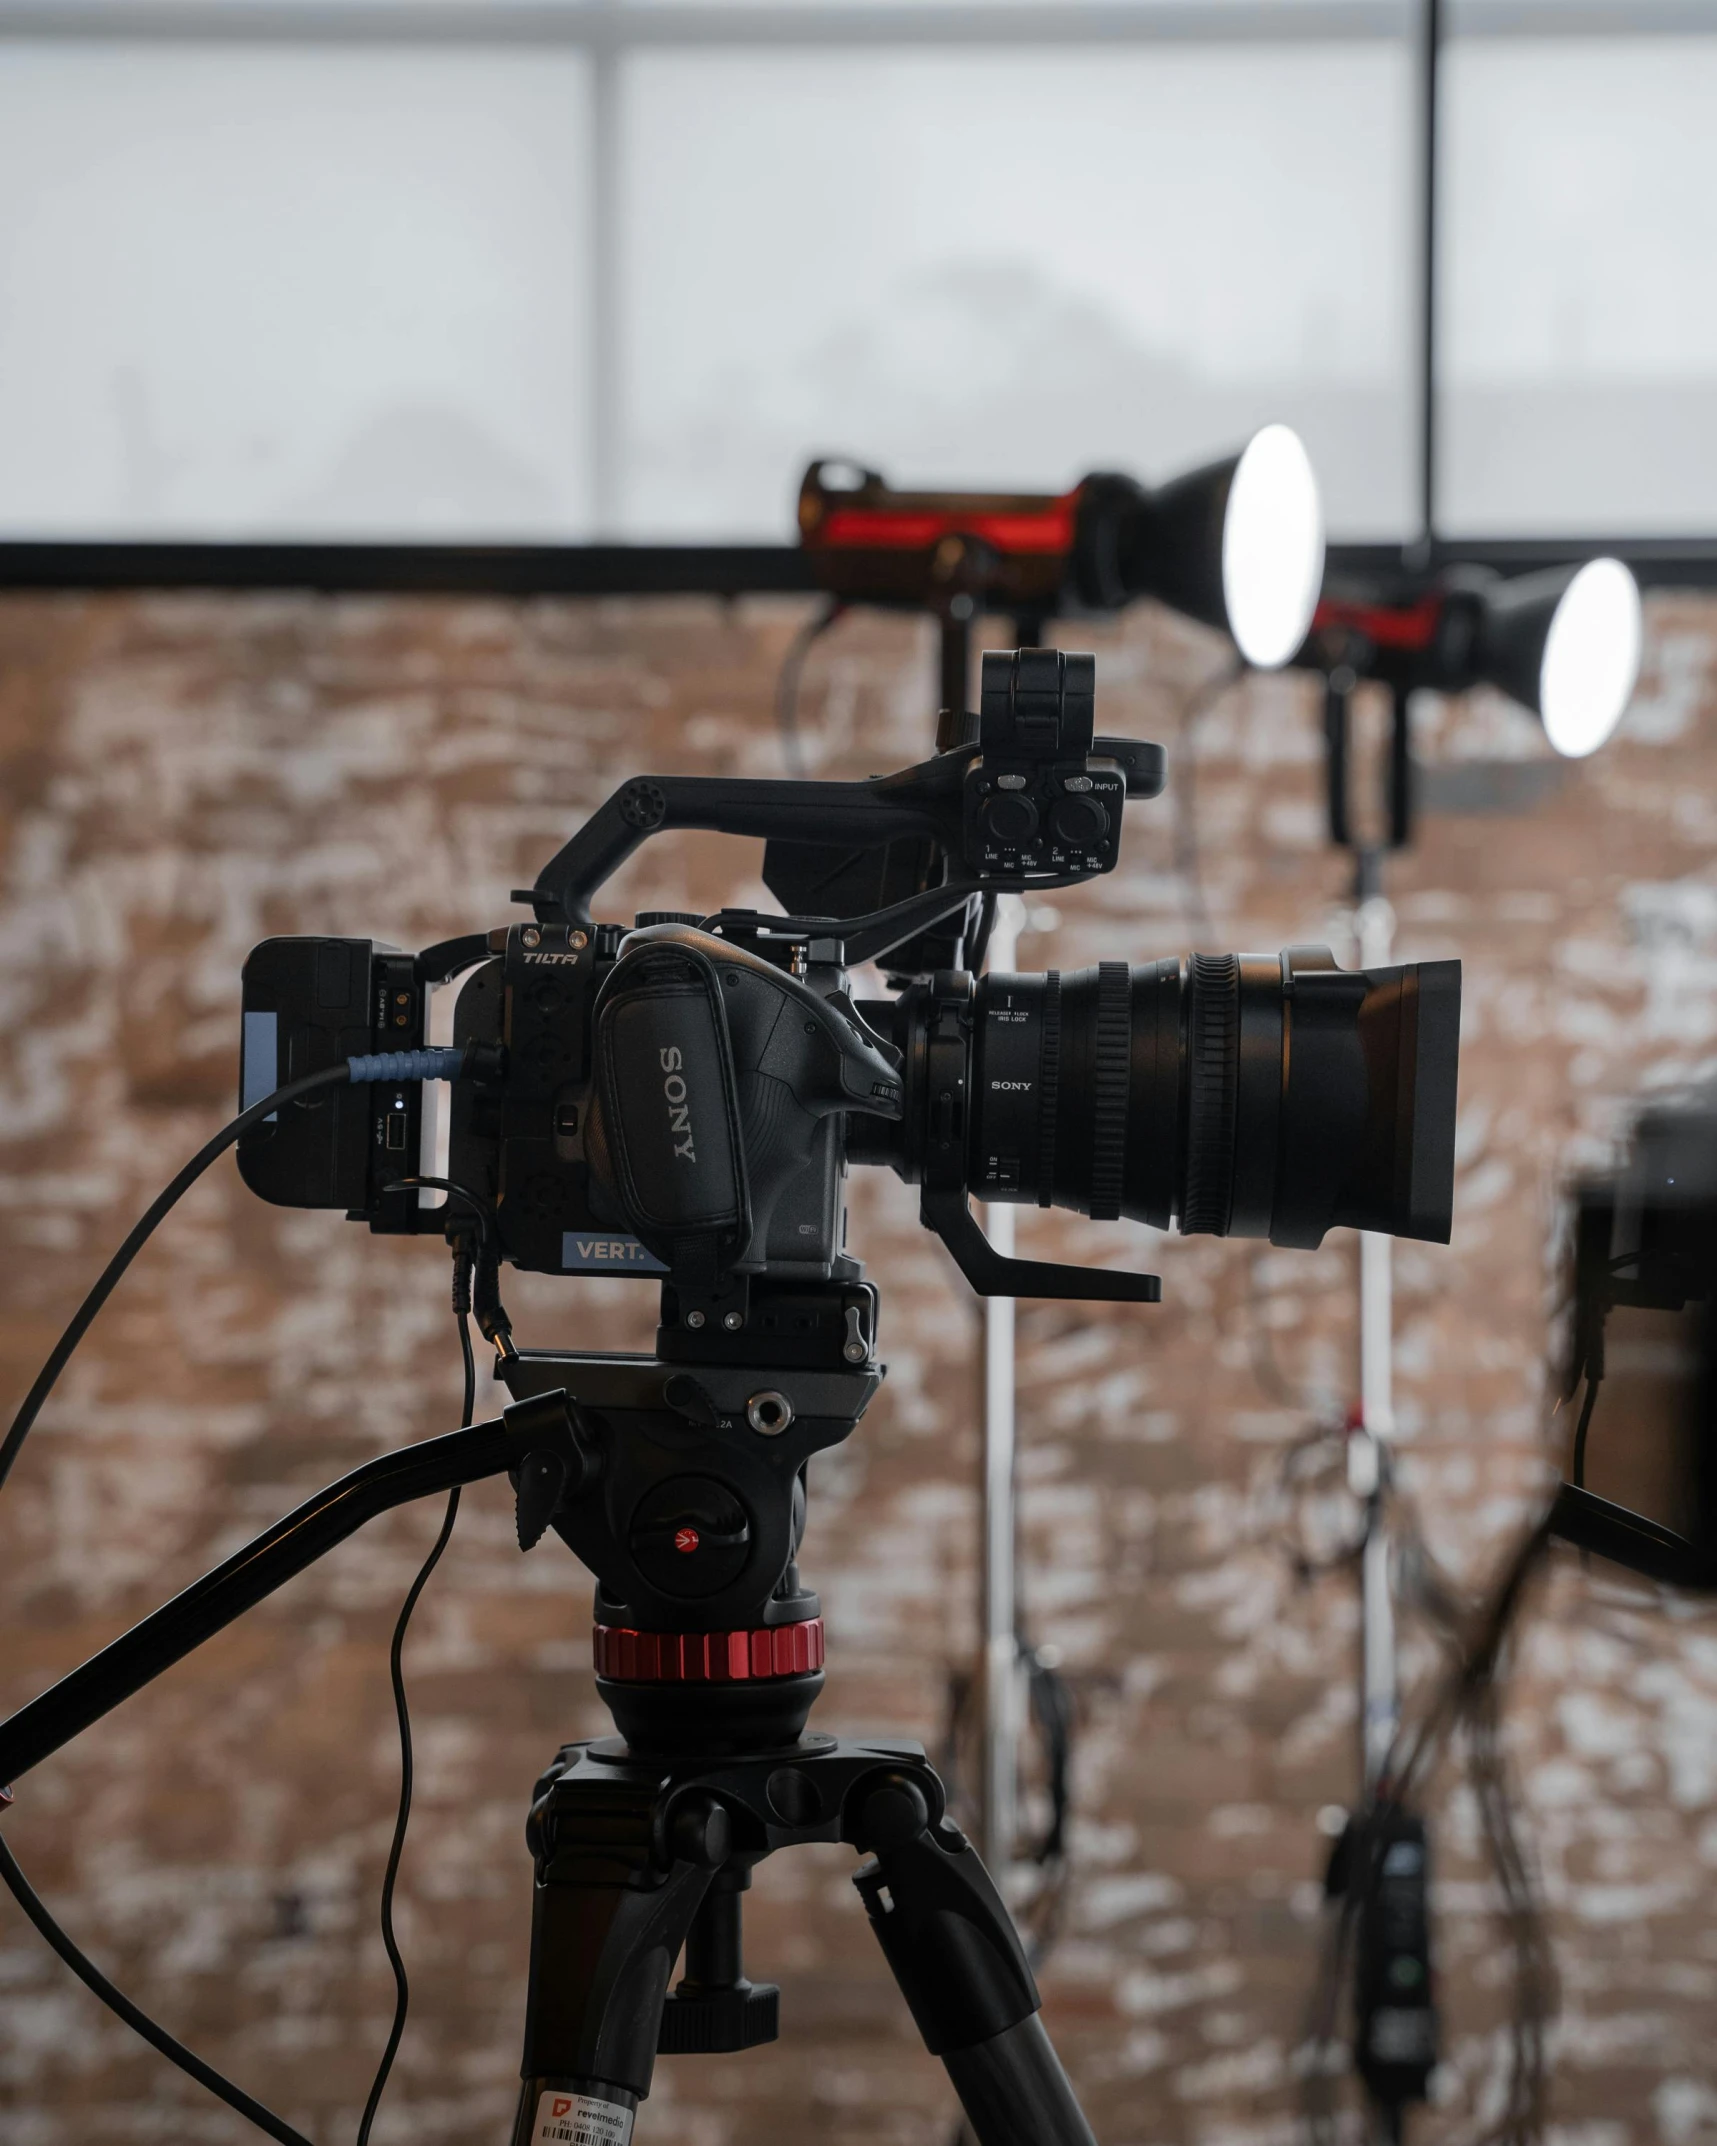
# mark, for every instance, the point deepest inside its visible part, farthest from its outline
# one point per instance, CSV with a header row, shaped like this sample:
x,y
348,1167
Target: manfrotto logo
x,y
551,961
679,1106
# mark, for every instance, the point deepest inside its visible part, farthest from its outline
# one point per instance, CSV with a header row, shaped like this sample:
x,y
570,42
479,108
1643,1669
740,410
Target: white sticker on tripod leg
x,y
580,2120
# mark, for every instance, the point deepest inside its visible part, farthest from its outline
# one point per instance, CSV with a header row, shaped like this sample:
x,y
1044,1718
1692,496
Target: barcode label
x,y
580,2120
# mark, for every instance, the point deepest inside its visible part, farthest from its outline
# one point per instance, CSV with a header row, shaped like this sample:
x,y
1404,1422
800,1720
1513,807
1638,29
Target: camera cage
x,y
1030,800
1031,739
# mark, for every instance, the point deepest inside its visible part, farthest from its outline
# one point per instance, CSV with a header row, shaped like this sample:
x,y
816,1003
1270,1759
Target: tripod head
x,y
685,1495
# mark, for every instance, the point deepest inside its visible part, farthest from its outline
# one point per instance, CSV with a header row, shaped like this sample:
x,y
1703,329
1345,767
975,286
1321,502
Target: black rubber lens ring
x,y
1213,1068
1048,1088
1109,1084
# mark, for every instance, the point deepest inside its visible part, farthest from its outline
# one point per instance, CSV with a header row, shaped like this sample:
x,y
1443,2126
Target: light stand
x,y
1378,1879
1239,545
998,1676
1368,1450
1565,644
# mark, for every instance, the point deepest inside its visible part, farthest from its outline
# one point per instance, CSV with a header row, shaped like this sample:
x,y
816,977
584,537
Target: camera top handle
x,y
924,801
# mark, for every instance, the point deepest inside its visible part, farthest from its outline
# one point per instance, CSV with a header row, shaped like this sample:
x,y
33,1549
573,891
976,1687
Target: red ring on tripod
x,y
782,1650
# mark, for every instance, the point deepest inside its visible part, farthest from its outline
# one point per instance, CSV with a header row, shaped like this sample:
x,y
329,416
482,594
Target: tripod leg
x,y
957,1957
607,1924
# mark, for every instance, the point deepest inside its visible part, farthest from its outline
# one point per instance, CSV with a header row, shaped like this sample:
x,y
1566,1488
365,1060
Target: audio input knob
x,y
1010,818
1080,822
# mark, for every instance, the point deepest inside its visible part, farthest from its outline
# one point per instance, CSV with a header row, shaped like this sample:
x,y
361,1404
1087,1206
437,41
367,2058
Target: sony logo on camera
x,y
679,1101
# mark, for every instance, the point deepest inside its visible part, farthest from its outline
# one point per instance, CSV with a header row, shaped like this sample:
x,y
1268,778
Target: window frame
x,y
607,32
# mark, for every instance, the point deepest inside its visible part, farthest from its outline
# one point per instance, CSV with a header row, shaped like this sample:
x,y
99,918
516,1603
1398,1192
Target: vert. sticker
x,y
567,2119
597,1254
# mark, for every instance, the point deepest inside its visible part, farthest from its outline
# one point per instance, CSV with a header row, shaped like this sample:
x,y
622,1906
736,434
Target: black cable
x,y
485,1274
116,2000
1051,1708
1317,2082
1577,1467
978,945
142,1231
483,1209
1325,1447
17,1884
402,1986
787,683
1051,1701
1467,1700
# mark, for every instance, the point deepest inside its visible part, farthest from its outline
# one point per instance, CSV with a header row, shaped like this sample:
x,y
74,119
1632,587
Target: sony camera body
x,y
682,1099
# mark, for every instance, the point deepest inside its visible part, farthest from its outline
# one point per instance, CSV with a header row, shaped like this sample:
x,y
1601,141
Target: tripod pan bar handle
x,y
79,1700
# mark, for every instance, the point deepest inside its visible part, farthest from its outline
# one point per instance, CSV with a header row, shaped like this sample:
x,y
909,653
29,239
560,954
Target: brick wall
x,y
183,777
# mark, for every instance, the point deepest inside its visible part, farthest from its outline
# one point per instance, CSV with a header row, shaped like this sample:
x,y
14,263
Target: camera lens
x,y
1228,1095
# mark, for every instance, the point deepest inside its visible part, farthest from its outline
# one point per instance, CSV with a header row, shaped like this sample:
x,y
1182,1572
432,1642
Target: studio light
x,y
1237,544
1565,643
1591,658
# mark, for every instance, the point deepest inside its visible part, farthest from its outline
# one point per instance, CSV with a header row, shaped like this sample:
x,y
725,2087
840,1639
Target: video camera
x,y
681,1099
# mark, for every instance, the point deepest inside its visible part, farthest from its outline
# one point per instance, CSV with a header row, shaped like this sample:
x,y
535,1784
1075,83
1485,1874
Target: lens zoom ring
x,y
1213,1063
1113,1063
1048,1088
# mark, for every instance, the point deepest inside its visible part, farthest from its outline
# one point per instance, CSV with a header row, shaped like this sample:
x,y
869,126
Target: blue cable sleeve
x,y
407,1065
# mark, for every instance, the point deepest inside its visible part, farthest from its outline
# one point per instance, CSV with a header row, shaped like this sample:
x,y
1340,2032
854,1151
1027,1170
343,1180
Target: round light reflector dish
x,y
1591,658
1272,548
